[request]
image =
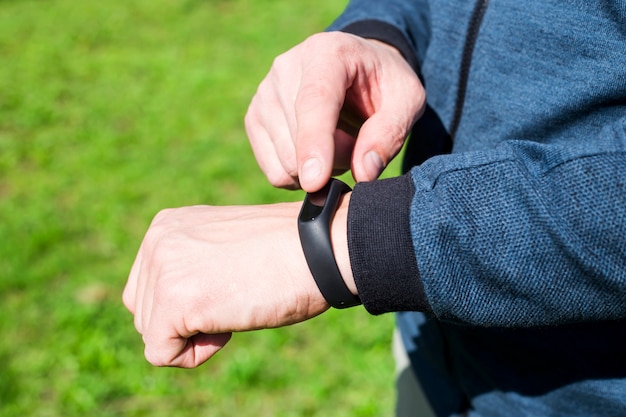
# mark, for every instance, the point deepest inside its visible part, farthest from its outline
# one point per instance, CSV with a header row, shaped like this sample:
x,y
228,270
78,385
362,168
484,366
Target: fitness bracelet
x,y
314,221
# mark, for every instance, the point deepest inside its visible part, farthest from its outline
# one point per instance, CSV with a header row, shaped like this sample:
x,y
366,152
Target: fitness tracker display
x,y
314,221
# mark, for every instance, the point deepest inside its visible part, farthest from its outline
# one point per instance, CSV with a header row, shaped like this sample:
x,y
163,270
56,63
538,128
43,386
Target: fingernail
x,y
373,165
311,169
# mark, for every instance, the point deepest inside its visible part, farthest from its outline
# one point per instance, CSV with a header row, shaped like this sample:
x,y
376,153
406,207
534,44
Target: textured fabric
x,y
528,210
574,370
519,235
388,281
530,234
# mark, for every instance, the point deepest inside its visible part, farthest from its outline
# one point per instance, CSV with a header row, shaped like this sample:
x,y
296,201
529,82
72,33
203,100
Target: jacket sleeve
x,y
401,23
525,234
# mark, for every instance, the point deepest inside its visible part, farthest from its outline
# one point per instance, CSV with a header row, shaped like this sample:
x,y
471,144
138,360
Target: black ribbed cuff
x,y
381,247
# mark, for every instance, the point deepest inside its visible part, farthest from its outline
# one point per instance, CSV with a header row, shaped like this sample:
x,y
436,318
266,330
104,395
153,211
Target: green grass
x,y
109,112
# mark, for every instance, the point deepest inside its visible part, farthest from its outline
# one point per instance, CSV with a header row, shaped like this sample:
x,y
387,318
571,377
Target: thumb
x,y
380,139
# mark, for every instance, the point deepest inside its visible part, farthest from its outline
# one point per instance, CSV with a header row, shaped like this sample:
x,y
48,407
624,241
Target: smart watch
x,y
314,221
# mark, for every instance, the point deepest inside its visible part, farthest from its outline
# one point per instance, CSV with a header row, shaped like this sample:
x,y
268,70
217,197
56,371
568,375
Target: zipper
x,y
466,61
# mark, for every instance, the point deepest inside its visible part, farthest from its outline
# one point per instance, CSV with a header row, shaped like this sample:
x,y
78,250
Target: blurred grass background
x,y
109,112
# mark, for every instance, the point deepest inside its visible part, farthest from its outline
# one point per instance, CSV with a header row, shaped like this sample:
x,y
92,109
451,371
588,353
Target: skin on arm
x,y
332,103
204,272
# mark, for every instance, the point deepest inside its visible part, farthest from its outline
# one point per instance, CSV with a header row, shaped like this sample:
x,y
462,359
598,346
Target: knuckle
x,y
414,86
289,164
312,91
395,134
281,63
128,301
313,41
335,44
279,178
161,226
332,40
153,357
250,120
162,217
137,323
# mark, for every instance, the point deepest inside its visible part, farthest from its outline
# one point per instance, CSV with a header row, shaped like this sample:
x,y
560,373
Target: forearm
x,y
339,238
500,239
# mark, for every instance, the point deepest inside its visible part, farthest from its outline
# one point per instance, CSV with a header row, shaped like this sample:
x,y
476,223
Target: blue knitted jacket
x,y
509,229
524,223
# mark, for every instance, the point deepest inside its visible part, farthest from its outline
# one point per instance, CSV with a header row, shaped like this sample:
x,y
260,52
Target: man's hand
x,y
204,272
334,102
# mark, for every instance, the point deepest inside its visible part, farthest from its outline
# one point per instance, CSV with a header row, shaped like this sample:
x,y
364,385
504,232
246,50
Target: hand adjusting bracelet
x,y
314,221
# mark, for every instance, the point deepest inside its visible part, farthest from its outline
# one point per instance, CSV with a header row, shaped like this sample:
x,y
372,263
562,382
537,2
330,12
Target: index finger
x,y
317,107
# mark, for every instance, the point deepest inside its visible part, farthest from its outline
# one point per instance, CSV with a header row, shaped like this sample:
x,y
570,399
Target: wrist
x,y
339,239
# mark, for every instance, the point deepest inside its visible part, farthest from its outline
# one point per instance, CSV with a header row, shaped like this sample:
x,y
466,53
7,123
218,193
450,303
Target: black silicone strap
x,y
314,221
